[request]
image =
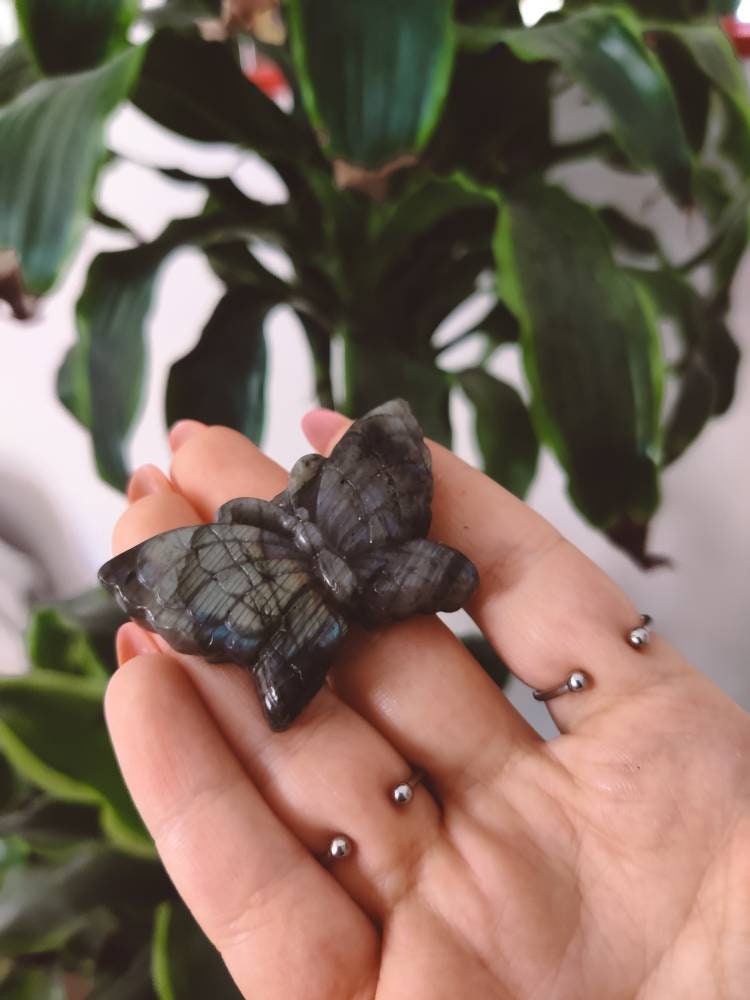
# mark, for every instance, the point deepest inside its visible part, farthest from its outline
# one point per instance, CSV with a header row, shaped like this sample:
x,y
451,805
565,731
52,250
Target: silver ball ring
x,y
577,681
339,848
640,636
403,793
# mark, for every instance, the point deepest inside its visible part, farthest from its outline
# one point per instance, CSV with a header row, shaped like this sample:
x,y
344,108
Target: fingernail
x,y
147,479
132,641
321,426
181,431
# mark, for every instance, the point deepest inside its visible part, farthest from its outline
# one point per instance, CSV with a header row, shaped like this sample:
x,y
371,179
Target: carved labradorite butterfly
x,y
273,585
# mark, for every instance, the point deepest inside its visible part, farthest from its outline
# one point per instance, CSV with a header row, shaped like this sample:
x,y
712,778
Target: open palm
x,y
610,862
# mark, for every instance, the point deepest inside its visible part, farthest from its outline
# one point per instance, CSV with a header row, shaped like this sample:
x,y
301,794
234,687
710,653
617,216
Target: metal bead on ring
x,y
640,636
340,847
403,793
576,681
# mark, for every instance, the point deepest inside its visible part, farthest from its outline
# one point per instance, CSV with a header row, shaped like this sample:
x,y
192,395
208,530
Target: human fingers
x,y
331,772
547,609
282,924
416,683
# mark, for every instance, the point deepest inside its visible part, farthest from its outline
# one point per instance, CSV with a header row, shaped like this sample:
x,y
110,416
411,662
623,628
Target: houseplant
x,y
420,158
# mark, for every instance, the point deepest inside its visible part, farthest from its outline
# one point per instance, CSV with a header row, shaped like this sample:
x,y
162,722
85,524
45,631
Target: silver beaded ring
x,y
340,847
403,793
640,636
577,681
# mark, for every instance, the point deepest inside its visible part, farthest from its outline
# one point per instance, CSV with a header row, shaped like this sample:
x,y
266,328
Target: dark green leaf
x,y
52,730
132,984
713,57
704,333
602,50
184,962
56,643
48,825
487,658
692,89
639,239
504,430
8,785
692,410
484,129
70,35
17,71
375,373
93,613
51,138
319,339
437,213
373,76
223,379
500,325
45,905
196,88
590,350
35,984
101,379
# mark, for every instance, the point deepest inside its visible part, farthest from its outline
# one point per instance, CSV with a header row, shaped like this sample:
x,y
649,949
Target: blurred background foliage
x,y
417,144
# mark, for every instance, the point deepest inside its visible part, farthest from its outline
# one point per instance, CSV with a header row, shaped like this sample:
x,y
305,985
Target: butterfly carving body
x,y
274,585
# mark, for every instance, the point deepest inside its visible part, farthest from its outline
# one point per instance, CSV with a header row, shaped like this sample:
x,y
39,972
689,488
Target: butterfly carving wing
x,y
374,490
234,592
417,577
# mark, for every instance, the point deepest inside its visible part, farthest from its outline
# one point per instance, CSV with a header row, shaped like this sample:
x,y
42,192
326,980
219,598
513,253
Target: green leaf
x,y
101,379
484,129
70,35
504,430
184,962
45,824
602,50
632,236
52,730
692,410
487,658
708,344
375,374
500,325
55,643
17,71
223,379
373,76
132,984
52,142
45,905
93,616
691,88
714,57
35,984
590,350
319,338
197,88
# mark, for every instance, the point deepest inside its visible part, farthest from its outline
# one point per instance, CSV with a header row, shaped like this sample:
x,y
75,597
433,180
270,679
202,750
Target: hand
x,y
611,862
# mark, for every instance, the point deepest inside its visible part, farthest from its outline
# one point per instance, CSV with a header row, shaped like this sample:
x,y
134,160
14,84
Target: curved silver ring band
x,y
577,681
403,793
638,637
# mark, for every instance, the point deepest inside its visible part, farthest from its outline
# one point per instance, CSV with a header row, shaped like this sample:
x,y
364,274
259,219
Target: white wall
x,y
49,488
